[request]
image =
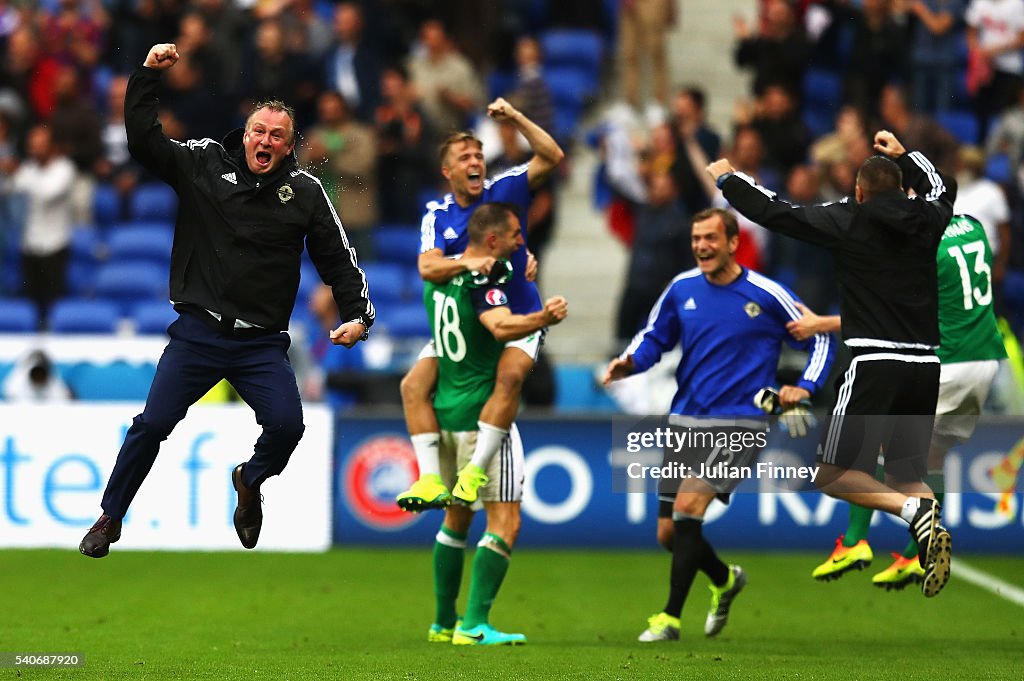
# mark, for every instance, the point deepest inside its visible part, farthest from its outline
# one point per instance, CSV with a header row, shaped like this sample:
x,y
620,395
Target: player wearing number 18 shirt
x,y
443,235
471,323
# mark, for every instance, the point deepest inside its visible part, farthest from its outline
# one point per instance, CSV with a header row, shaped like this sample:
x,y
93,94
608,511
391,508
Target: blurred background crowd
x,y
86,235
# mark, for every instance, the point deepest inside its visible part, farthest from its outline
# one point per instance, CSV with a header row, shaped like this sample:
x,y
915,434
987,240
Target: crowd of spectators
x,y
377,83
944,75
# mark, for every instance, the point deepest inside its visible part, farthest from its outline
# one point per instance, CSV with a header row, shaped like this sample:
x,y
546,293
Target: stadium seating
x,y
395,243
154,201
149,242
500,83
153,317
76,315
822,92
131,282
404,320
577,48
414,284
106,205
86,250
999,169
18,315
962,124
387,282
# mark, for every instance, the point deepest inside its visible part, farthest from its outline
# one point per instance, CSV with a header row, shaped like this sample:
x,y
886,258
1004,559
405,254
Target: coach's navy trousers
x,y
198,356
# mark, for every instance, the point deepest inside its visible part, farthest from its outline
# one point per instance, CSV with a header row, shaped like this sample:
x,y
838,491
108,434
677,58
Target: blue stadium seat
x,y
570,86
999,169
500,83
76,315
165,225
962,124
572,47
403,320
150,242
154,201
414,284
80,277
131,282
397,243
153,317
822,89
566,122
387,282
18,315
818,121
106,205
85,243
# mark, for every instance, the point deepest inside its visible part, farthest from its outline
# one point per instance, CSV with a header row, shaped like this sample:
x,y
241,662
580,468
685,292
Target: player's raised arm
x,y
546,152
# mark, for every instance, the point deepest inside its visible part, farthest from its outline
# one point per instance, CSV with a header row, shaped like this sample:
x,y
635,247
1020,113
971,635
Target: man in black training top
x,y
244,210
884,245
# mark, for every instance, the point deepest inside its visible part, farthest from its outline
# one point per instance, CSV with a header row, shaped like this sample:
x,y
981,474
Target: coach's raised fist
x,y
162,56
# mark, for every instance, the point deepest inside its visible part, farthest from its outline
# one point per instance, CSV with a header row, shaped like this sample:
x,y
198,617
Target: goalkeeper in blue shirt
x,y
730,323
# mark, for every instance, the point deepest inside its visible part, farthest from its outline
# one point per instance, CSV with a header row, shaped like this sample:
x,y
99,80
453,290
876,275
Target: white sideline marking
x,y
986,581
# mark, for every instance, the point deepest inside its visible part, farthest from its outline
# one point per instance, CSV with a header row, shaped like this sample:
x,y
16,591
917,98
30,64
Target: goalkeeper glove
x,y
796,420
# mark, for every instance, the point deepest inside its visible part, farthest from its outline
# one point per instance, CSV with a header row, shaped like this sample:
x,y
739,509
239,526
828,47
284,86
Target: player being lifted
x,y
443,234
472,323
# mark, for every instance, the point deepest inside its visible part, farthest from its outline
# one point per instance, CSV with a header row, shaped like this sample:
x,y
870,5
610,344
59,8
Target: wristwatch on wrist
x,y
366,327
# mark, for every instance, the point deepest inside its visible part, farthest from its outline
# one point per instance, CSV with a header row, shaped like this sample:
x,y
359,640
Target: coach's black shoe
x,y
934,547
249,511
100,536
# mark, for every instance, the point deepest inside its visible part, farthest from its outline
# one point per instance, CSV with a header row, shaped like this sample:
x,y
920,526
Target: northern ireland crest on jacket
x,y
285,193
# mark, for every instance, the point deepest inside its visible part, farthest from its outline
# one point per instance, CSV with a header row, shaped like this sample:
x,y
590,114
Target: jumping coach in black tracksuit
x,y
245,209
884,245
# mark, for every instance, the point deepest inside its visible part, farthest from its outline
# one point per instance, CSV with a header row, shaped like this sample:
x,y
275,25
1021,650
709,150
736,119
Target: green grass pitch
x,y
363,614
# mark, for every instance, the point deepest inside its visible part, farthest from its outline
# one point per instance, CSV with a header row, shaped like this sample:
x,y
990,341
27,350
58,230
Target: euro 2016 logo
x,y
496,297
376,472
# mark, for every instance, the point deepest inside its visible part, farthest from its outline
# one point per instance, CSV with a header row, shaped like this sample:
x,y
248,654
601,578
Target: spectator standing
x,y
778,53
46,179
934,57
353,67
643,33
448,86
995,38
345,151
404,140
985,201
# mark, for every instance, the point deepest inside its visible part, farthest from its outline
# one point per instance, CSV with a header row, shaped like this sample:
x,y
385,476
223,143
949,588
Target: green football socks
x,y
449,554
489,567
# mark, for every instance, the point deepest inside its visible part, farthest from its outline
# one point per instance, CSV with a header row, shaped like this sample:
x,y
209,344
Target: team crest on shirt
x,y
752,309
495,297
285,193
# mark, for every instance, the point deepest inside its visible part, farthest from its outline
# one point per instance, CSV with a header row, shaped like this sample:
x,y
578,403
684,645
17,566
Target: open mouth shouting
x,y
263,159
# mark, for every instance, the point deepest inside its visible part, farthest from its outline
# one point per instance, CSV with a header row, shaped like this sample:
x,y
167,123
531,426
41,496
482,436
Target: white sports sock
x,y
909,510
488,441
427,447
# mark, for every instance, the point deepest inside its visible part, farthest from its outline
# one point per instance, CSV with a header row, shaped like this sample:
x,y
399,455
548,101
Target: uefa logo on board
x,y
378,470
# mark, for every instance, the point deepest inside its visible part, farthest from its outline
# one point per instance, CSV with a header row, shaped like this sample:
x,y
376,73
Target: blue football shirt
x,y
731,340
444,226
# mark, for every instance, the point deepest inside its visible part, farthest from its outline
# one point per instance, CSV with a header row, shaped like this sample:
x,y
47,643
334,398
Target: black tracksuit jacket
x,y
238,237
884,251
